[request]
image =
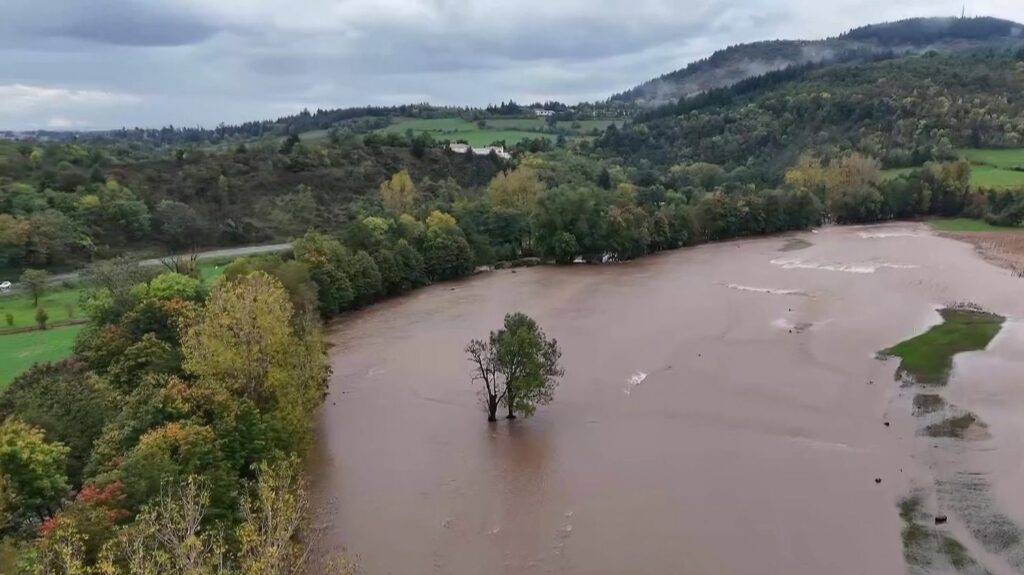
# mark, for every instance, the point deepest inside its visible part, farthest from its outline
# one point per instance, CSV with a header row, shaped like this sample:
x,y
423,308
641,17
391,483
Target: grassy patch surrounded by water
x,y
928,403
794,244
926,547
928,358
953,427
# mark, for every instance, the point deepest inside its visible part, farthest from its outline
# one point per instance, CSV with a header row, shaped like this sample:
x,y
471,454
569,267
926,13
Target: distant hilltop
x,y
915,35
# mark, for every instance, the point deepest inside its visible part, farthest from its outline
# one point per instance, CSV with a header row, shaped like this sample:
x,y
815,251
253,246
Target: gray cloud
x,y
116,22
108,63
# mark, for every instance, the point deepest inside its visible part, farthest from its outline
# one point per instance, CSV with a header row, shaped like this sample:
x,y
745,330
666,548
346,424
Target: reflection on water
x,y
745,449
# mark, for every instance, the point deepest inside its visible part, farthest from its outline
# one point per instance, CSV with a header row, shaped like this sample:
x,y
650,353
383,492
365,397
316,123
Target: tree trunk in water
x,y
492,410
511,403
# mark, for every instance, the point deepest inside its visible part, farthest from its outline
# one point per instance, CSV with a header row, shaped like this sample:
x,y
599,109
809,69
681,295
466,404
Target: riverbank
x,y
1003,248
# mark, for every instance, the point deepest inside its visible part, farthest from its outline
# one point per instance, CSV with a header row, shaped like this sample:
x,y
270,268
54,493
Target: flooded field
x,y
723,411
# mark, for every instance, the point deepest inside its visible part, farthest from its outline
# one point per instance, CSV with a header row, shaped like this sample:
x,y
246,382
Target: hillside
x,y
903,111
912,36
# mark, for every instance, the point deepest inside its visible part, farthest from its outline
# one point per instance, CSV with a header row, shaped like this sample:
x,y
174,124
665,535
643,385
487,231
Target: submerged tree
x,y
517,365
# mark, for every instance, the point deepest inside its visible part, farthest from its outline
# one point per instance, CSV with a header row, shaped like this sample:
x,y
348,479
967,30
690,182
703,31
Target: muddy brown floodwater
x,y
722,412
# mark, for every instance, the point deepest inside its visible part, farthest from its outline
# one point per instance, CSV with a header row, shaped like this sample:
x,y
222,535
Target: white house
x,y
5,286
484,151
543,112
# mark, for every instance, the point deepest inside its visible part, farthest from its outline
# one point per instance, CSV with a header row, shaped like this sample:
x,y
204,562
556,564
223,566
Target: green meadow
x,y
19,351
1002,158
61,304
509,130
989,168
967,225
928,358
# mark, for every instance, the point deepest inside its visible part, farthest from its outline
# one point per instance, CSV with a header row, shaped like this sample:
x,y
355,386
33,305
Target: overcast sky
x,y
93,64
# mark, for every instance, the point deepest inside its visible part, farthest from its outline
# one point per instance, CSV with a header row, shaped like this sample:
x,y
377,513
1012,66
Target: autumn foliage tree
x,y
33,470
398,194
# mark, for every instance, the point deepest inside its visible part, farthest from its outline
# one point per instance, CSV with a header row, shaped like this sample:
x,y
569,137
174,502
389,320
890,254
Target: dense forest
x,y
186,403
903,112
911,36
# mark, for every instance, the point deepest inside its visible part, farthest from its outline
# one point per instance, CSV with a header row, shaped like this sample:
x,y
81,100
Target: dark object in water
x,y
940,519
878,480
886,424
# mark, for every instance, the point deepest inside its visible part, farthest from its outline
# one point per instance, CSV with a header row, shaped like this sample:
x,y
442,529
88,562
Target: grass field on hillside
x,y
19,351
1007,159
967,225
528,124
459,129
61,304
989,168
510,137
993,177
509,130
587,126
432,125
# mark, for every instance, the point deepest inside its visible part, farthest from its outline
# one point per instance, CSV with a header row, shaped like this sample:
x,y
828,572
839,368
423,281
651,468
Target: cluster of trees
x,y
386,253
560,208
854,191
55,227
168,442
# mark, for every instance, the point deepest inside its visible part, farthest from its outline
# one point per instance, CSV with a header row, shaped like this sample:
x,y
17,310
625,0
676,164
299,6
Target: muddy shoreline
x,y
762,415
1004,249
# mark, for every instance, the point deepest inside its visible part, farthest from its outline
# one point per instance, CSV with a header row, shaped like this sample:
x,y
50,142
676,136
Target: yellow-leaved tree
x,y
398,194
244,344
516,190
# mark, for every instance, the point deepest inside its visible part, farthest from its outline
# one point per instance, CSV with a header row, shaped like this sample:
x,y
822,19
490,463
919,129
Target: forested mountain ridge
x,y
903,111
916,35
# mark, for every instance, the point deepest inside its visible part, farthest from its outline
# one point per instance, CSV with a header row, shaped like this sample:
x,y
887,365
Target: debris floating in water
x,y
633,381
797,327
